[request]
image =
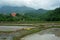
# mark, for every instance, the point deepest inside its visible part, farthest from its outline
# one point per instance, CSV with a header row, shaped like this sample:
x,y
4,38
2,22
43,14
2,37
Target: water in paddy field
x,y
13,28
49,34
9,36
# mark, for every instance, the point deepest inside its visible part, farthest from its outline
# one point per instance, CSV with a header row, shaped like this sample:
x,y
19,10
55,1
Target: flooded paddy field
x,y
29,33
8,32
48,34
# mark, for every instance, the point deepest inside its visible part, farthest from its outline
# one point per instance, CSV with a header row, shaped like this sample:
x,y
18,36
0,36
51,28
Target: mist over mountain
x,y
22,9
10,9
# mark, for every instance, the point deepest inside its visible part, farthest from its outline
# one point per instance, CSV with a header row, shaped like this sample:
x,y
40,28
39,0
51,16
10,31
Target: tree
x,y
53,15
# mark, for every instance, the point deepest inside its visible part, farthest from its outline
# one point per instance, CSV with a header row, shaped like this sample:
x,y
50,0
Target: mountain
x,y
22,9
36,13
10,9
42,11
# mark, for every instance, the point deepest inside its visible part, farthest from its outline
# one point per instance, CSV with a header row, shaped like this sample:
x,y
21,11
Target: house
x,y
13,14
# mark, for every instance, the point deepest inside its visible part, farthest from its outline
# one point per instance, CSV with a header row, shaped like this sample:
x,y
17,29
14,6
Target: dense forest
x,y
51,15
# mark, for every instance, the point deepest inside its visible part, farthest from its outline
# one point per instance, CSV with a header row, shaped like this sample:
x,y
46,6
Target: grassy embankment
x,y
28,23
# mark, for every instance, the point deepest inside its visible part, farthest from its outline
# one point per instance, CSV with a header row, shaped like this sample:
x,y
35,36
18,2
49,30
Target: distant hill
x,y
36,13
42,11
22,9
9,9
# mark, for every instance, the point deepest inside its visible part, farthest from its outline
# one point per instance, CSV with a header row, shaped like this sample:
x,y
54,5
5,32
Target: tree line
x,y
51,15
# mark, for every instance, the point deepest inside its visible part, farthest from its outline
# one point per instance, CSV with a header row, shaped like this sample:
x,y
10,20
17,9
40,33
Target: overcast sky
x,y
45,4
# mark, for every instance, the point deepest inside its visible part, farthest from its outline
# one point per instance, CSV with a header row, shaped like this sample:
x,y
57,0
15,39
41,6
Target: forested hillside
x,y
50,15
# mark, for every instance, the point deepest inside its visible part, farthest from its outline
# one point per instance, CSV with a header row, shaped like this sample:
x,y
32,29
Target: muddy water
x,y
49,34
12,28
6,36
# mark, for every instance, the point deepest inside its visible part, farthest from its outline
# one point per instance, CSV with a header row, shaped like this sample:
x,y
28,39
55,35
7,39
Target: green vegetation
x,y
51,15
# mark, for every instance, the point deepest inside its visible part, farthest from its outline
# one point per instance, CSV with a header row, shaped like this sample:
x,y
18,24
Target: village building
x,y
13,14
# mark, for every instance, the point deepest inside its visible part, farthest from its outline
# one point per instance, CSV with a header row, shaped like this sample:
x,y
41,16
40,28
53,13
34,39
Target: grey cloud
x,y
46,4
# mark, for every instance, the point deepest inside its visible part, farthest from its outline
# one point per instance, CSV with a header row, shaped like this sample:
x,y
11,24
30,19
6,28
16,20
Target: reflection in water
x,y
5,35
45,35
41,37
